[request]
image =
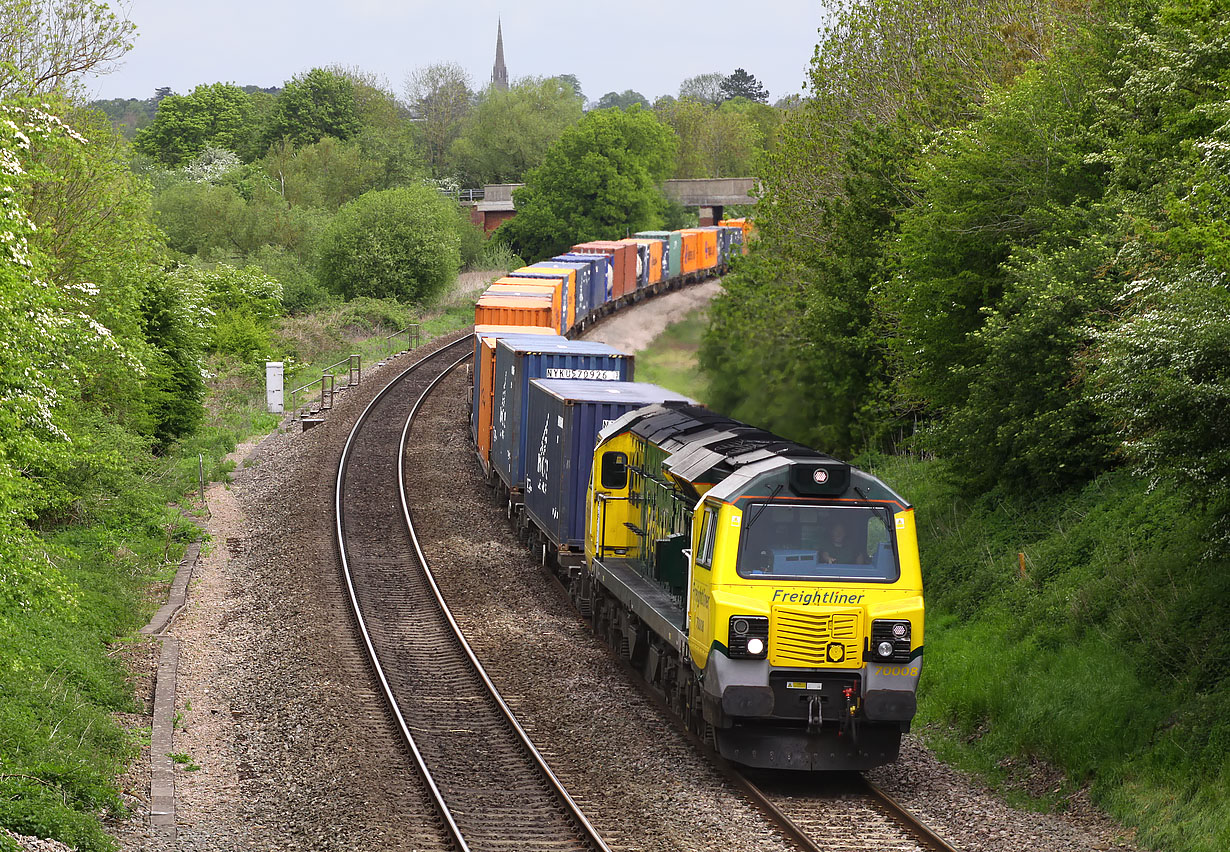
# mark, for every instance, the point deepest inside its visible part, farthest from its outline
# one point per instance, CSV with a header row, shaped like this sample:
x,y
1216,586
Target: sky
x,y
608,46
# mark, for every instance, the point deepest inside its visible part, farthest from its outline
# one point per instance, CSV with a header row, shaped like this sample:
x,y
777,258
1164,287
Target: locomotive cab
x,y
796,608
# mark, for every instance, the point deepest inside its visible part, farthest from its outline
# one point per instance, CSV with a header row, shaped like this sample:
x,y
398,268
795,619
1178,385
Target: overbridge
x,y
710,195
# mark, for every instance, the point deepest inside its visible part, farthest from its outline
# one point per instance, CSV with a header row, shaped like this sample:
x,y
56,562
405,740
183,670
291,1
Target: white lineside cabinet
x,y
274,374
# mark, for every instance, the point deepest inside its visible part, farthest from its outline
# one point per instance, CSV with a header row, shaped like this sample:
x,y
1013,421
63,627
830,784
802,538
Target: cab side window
x,y
708,533
614,471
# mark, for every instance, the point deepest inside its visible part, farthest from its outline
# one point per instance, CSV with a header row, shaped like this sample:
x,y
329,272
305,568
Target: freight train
x,y
770,593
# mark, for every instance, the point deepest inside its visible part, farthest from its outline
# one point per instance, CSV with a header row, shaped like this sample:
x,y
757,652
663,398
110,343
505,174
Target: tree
x,y
621,100
218,115
741,84
311,106
395,243
440,98
46,43
598,181
509,130
722,142
571,80
705,88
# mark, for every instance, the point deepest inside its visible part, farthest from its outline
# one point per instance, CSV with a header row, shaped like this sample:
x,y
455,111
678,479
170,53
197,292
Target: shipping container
x,y
743,224
623,258
494,332
561,279
642,260
562,425
583,291
725,242
708,247
568,276
554,283
514,310
538,288
657,258
520,360
672,254
601,280
692,252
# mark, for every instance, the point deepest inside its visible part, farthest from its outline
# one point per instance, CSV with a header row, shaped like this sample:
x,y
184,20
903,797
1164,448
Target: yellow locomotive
x,y
771,593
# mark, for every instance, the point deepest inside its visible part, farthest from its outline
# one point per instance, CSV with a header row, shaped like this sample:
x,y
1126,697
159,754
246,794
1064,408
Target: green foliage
x,y
725,141
127,115
472,239
243,302
599,180
1100,662
621,100
741,84
234,218
329,173
396,243
218,115
311,106
509,130
440,96
671,360
703,88
1163,376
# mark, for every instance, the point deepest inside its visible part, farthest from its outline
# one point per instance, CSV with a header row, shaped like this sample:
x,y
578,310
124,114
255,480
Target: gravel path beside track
x,y
278,707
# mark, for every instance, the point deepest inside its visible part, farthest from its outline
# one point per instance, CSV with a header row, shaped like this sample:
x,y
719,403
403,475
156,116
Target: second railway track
x,y
492,789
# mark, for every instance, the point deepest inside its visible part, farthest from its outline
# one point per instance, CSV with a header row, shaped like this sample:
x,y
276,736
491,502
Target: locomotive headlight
x,y
890,640
748,638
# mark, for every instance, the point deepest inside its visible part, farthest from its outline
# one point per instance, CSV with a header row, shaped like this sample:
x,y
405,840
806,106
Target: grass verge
x,y
1102,659
671,360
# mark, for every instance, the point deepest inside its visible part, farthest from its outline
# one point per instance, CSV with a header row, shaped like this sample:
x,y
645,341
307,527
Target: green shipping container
x,y
674,248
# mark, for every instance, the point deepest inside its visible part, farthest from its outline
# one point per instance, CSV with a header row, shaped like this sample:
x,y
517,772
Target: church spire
x,y
499,74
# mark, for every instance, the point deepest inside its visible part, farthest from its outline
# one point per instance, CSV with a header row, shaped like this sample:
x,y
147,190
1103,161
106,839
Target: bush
x,y
396,243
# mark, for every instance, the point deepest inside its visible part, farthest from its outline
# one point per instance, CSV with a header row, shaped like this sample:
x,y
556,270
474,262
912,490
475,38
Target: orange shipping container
x,y
545,272
484,379
692,252
550,287
708,247
515,310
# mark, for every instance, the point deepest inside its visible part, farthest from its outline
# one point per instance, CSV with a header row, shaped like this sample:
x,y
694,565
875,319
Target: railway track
x,y
839,812
491,788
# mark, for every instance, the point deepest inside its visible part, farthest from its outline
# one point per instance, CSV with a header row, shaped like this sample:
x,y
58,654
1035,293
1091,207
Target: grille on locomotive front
x,y
802,637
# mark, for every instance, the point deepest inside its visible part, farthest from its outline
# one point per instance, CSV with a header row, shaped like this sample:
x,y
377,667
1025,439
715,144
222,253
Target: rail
x,y
588,836
465,196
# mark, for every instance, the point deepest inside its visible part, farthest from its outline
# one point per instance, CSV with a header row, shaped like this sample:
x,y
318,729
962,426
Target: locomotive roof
x,y
705,447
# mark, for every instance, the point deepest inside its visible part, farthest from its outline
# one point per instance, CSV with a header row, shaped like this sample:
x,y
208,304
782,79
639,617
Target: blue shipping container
x,y
584,287
478,374
562,426
520,360
565,295
642,266
603,280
